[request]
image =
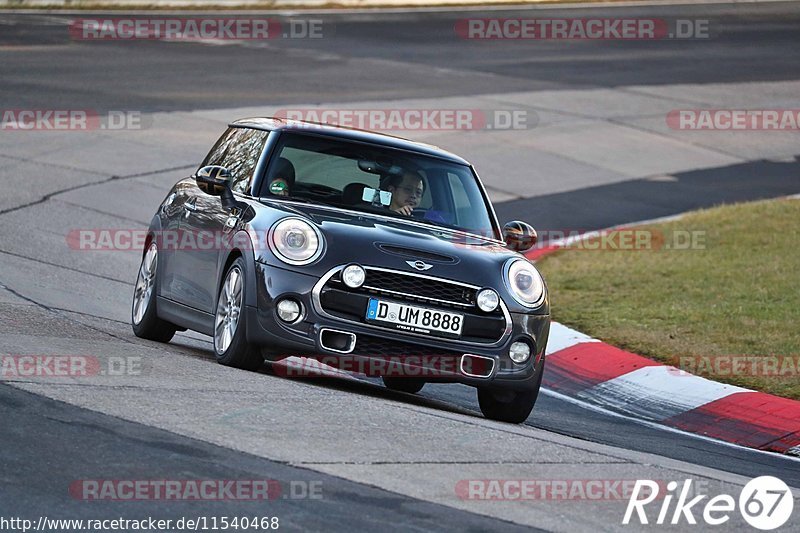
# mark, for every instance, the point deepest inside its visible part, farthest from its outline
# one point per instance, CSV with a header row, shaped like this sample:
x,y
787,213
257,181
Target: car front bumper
x,y
430,358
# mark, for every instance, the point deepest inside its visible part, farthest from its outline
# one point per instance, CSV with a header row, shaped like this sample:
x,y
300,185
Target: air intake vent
x,y
416,254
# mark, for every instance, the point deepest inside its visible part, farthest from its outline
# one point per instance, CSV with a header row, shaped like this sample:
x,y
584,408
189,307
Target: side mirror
x,y
213,179
216,181
519,236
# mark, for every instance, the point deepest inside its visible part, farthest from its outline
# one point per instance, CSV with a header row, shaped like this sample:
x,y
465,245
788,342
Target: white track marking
x,y
657,392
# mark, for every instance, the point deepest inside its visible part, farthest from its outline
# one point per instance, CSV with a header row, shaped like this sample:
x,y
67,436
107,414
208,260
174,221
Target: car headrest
x,y
284,169
353,192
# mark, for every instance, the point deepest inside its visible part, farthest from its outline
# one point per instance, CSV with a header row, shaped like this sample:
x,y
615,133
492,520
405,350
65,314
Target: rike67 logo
x,y
765,503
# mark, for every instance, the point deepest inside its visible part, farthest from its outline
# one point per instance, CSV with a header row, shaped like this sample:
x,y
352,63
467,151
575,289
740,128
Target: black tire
x,y
149,326
507,405
409,385
237,352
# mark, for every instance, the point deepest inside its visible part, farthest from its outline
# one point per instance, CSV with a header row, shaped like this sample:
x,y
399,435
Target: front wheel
x,y
144,317
230,338
507,405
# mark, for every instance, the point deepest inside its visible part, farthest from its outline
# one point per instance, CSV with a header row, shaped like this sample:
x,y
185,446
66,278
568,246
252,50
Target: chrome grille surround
x,y
411,298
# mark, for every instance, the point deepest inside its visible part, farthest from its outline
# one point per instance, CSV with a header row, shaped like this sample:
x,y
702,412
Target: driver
x,y
407,190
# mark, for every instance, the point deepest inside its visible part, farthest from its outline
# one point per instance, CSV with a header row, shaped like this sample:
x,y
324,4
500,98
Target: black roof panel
x,y
279,124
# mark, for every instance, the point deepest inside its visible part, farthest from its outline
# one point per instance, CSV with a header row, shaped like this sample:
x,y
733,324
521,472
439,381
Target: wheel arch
x,y
153,230
226,260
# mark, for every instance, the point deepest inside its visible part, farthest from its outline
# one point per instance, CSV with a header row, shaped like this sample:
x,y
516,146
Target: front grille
x,y
370,346
418,289
407,360
344,303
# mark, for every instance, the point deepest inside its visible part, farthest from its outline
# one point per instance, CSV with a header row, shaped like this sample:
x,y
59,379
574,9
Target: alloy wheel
x,y
228,310
144,283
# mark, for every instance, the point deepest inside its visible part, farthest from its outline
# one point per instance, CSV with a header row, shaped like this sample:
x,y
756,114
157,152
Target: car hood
x,y
396,244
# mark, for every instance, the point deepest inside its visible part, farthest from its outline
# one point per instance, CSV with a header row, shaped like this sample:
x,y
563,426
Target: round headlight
x,y
519,352
295,241
525,283
353,276
488,300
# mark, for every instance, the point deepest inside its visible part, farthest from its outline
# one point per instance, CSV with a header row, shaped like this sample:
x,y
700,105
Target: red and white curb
x,y
599,374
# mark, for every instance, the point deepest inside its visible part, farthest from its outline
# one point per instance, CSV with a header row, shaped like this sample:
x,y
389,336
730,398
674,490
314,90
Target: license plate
x,y
415,319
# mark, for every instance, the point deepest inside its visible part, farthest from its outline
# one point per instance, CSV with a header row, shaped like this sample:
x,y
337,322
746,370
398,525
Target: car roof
x,y
341,132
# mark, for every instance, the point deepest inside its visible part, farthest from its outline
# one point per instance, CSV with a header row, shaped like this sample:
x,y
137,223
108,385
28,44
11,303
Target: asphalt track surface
x,y
48,444
387,57
142,452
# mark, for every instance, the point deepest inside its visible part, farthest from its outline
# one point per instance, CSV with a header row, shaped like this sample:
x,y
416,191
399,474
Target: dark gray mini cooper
x,y
345,246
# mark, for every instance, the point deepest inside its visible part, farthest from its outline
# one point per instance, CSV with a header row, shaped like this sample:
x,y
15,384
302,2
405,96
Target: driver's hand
x,y
405,210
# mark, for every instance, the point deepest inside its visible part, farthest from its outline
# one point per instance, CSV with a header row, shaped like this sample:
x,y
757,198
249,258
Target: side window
x,y
238,150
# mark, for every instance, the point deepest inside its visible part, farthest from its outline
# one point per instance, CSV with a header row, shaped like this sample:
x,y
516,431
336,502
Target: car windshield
x,y
377,179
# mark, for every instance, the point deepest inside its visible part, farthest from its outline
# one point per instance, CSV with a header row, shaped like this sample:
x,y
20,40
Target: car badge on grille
x,y
419,265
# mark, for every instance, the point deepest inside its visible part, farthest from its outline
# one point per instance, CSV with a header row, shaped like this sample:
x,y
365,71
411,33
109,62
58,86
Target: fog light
x,y
519,352
353,276
488,300
289,310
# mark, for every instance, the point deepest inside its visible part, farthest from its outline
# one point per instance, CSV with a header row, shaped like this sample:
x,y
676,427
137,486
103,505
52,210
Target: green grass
x,y
739,294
